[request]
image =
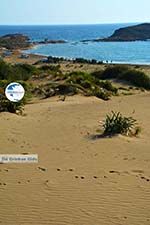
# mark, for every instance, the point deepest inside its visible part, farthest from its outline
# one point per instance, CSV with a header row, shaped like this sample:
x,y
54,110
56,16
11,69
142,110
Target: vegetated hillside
x,y
140,32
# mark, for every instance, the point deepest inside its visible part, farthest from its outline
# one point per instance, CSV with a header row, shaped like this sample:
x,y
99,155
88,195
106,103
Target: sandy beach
x,y
66,67
15,57
78,180
74,112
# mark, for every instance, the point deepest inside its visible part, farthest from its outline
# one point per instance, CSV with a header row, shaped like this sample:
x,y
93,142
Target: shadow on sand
x,y
99,136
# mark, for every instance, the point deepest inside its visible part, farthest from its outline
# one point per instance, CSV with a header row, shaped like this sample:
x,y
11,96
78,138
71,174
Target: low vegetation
x,y
16,72
48,80
115,123
52,59
133,76
12,107
92,85
77,82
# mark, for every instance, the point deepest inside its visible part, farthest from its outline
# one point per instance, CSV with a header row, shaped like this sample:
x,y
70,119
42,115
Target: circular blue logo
x,y
14,92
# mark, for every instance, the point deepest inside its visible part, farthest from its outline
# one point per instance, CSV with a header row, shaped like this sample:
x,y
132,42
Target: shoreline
x,y
105,62
24,45
70,60
40,56
67,59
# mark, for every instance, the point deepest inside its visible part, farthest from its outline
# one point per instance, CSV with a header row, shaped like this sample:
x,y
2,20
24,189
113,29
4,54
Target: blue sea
x,y
118,52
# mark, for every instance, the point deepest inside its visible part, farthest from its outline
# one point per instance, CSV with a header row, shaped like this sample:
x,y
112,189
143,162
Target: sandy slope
x,y
85,182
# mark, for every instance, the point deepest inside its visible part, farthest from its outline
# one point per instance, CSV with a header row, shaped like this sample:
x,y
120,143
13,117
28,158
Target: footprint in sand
x,y
139,174
95,177
144,178
71,170
4,184
113,171
58,169
82,177
137,171
46,182
42,169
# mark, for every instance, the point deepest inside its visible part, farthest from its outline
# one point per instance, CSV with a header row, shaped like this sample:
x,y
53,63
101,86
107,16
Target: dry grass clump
x,y
115,123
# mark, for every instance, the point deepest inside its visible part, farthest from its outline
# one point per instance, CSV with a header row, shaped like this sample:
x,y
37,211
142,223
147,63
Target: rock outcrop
x,y
15,41
20,41
139,32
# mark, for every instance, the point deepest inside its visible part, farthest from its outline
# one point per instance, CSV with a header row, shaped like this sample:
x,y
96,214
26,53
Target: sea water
x,y
117,52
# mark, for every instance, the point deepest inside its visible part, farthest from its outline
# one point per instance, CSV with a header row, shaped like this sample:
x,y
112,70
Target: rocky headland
x,y
140,32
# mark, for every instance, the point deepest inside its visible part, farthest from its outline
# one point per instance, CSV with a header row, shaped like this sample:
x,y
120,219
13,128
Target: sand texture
x,y
79,180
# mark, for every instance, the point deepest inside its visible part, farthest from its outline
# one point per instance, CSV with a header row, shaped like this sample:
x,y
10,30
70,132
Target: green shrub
x,y
97,74
137,78
16,72
4,83
91,85
65,89
21,72
114,72
53,89
86,84
12,107
121,72
102,94
51,68
116,123
78,77
5,70
77,82
108,86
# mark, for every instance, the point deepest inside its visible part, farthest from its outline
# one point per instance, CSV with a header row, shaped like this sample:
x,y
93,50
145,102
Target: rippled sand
x,y
78,181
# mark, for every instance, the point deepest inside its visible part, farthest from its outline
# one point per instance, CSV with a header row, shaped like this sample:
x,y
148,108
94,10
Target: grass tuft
x,y
115,123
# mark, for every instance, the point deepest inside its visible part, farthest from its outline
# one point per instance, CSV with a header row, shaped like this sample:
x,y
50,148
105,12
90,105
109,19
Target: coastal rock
x,y
52,42
14,41
46,41
20,41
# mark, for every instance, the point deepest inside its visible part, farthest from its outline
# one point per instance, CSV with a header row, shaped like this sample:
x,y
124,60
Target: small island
x,y
47,41
140,32
21,41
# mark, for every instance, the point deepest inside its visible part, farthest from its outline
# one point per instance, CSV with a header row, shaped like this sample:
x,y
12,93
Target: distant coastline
x,y
68,42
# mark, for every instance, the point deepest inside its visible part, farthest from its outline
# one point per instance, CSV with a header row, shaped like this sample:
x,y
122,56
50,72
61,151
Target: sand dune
x,y
78,181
